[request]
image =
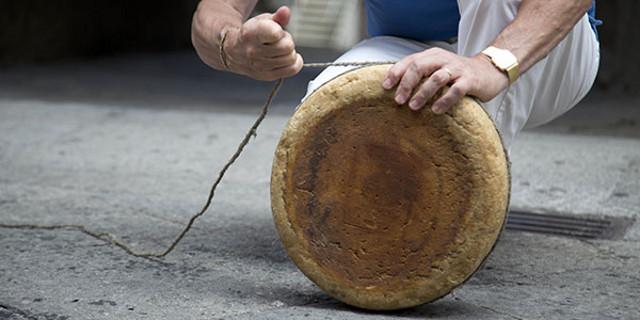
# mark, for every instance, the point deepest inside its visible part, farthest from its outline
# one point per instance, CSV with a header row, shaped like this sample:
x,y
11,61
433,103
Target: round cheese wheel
x,y
384,207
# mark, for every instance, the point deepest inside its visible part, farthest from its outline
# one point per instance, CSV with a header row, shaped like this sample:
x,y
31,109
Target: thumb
x,y
281,16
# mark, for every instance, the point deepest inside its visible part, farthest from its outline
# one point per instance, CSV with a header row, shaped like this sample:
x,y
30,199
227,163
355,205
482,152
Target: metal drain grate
x,y
611,228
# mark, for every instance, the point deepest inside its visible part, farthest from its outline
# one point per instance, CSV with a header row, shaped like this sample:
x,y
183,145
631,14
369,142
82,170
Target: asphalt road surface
x,y
129,145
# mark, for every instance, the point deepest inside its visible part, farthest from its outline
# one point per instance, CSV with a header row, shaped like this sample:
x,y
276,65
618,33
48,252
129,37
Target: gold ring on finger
x,y
448,72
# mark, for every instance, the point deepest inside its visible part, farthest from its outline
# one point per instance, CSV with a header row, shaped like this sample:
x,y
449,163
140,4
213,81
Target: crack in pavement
x,y
602,251
23,314
499,312
14,311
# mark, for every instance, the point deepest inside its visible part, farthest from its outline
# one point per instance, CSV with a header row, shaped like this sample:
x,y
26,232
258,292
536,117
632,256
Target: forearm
x,y
210,18
538,28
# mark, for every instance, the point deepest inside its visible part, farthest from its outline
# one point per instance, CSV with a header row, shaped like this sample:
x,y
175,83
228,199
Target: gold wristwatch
x,y
505,61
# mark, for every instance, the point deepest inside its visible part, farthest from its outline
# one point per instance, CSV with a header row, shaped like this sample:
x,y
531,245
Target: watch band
x,y
505,61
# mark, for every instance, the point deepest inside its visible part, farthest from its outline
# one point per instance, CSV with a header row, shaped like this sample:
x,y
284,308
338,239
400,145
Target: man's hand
x,y
262,49
475,76
259,48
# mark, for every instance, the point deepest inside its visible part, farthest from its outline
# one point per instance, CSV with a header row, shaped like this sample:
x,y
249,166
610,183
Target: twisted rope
x,y
112,239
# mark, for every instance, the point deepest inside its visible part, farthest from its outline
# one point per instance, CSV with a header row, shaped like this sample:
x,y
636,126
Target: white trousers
x,y
551,87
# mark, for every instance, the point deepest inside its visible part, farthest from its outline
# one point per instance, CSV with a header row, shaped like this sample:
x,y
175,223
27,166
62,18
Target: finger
x,y
269,32
410,80
412,77
288,71
282,61
282,16
283,47
395,73
457,91
428,88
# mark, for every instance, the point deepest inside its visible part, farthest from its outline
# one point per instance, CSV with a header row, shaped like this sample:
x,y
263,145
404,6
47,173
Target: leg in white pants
x,y
551,87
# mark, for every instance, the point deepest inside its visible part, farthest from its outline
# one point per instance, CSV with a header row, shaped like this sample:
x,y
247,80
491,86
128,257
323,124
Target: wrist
x,y
226,41
489,80
505,61
491,70
221,48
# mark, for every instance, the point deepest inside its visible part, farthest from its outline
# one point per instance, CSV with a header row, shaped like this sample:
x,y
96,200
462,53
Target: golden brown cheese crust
x,y
383,207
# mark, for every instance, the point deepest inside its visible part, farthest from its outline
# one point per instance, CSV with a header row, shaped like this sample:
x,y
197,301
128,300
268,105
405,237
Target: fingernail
x,y
413,104
387,84
401,99
436,109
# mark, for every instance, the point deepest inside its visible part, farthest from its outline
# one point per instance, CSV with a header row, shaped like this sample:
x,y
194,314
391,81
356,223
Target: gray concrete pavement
x,y
576,174
139,171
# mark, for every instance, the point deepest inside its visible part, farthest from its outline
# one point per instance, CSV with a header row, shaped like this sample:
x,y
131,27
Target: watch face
x,y
503,61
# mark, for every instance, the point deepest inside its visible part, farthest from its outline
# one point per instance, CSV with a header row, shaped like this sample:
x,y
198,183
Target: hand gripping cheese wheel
x,y
384,207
